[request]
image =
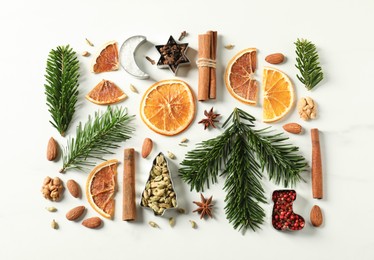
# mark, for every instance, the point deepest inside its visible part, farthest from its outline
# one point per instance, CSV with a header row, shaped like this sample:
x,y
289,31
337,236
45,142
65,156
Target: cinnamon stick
x,y
128,202
213,56
204,44
317,183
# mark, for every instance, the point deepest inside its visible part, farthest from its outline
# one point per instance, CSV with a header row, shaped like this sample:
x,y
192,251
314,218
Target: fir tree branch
x,y
243,187
97,137
308,64
61,89
241,153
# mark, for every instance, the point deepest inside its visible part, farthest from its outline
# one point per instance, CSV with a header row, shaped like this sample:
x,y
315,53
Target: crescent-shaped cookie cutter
x,y
127,56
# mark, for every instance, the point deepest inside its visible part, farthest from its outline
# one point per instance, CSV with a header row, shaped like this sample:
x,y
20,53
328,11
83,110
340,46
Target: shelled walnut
x,y
52,188
307,108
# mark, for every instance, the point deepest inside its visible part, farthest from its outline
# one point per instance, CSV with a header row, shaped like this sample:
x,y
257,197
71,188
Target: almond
x,y
73,188
147,147
275,58
94,222
316,217
52,149
75,213
293,128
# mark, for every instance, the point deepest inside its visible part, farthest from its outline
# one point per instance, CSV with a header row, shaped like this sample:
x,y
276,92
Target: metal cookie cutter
x,y
159,194
127,53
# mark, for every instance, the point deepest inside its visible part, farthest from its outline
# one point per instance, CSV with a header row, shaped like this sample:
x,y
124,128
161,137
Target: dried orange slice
x,y
106,93
168,107
278,94
101,186
239,76
106,59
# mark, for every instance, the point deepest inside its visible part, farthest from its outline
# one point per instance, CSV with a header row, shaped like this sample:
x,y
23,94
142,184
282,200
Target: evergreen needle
x,y
96,138
307,63
241,154
61,89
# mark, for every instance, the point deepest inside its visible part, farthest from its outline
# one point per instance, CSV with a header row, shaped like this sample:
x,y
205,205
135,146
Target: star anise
x,y
205,207
210,119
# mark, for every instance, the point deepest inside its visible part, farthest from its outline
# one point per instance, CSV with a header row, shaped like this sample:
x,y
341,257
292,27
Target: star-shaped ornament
x,y
173,55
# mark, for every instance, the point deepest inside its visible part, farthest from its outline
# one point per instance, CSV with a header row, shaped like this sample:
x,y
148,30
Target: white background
x,y
343,32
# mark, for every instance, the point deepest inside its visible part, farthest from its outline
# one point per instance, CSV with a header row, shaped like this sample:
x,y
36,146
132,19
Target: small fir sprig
x,y
240,154
308,64
96,138
61,89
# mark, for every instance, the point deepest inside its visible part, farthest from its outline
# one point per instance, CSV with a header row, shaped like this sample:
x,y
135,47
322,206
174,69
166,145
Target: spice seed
x,y
54,224
172,222
150,60
181,210
133,89
86,54
193,224
183,34
51,209
171,155
229,46
153,224
89,42
184,140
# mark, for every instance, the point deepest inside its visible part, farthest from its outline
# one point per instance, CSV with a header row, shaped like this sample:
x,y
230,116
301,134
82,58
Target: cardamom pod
x,y
193,224
54,224
51,209
172,222
153,224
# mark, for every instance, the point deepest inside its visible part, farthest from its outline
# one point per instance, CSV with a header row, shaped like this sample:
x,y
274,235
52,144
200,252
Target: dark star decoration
x,y
205,207
173,55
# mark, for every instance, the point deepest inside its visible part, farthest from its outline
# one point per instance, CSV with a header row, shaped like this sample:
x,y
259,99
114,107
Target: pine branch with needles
x,y
61,86
99,136
240,155
308,63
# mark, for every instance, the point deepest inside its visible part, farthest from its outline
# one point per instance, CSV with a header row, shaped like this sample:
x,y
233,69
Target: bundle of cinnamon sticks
x,y
207,66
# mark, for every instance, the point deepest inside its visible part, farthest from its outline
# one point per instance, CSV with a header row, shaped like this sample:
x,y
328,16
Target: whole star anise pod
x,y
205,207
210,119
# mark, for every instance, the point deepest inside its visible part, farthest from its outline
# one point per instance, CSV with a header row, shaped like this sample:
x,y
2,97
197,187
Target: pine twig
x,y
96,138
308,64
61,89
241,153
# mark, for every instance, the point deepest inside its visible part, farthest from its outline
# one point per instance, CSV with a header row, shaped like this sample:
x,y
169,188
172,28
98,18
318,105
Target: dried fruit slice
x,y
168,107
106,93
106,59
239,76
278,95
101,186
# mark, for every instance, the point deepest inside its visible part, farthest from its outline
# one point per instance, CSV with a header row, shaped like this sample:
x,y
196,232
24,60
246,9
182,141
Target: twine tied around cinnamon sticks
x,y
202,62
207,66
